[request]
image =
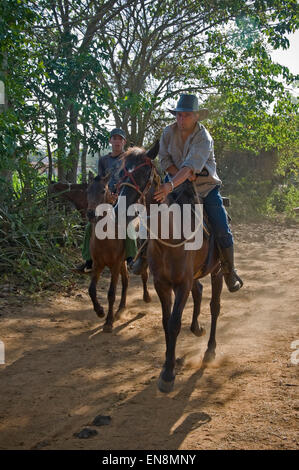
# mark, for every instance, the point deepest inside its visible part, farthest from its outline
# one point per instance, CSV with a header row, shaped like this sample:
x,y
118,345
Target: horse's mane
x,y
132,152
183,194
58,186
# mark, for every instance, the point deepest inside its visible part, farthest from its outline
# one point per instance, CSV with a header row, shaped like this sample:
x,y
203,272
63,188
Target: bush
x,y
37,239
248,199
283,199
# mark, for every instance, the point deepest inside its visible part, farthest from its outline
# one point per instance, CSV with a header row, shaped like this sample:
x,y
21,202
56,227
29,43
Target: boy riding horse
x,y
109,164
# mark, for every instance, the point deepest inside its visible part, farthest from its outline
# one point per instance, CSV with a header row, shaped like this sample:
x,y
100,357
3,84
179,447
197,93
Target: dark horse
x,y
108,252
73,193
174,269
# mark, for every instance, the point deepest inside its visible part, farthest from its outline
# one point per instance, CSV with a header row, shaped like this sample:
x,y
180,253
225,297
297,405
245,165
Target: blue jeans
x,y
216,213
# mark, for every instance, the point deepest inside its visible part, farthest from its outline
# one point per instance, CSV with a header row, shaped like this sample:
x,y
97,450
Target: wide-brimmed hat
x,y
118,132
189,103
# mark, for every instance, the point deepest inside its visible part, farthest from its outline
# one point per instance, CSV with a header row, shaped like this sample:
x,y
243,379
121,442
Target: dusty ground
x,y
61,370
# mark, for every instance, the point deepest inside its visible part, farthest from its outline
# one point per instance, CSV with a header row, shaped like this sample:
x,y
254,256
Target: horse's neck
x,y
149,199
77,186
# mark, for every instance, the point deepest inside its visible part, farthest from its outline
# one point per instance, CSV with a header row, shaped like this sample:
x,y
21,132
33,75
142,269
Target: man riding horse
x,y
187,152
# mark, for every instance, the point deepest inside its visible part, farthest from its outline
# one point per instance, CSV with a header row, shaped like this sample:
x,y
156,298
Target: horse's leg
x,y
197,296
217,283
144,277
92,290
167,376
164,294
124,281
111,299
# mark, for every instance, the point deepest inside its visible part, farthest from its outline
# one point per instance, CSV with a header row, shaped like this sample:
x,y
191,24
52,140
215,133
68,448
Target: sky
x,y
289,57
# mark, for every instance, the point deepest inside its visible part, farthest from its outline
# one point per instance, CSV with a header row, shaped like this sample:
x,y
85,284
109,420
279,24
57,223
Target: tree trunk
x,y
49,152
73,157
83,163
5,173
61,143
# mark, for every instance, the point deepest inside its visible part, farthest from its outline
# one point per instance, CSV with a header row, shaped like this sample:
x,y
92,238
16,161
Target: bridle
x,y
134,185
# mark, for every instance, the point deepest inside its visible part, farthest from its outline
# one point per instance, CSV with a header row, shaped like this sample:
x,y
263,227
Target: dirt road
x,y
61,370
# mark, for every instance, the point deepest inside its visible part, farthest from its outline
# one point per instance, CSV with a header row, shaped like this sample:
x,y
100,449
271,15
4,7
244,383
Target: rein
x,y
175,245
154,177
187,239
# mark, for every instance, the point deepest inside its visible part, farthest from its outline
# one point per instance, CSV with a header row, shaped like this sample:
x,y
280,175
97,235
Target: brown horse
x,y
108,252
73,193
175,269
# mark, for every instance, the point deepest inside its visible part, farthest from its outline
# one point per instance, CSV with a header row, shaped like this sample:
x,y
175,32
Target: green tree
x,y
159,49
18,117
50,56
257,152
71,56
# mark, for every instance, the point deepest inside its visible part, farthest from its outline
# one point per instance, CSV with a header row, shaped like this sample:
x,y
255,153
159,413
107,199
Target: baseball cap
x,y
118,132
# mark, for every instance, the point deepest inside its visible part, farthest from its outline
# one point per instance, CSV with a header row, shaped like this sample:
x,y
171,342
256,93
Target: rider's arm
x,y
102,166
199,152
172,170
165,158
181,176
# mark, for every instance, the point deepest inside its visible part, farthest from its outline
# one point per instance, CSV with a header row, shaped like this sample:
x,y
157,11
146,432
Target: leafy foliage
x,y
164,48
36,240
245,134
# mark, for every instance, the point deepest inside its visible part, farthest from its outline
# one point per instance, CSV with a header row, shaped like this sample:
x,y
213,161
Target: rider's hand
x,y
192,177
162,193
113,197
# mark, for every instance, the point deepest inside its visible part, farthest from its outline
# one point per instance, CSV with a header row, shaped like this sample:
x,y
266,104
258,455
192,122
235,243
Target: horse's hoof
x,y
147,298
107,328
163,386
180,361
118,313
208,357
198,331
100,312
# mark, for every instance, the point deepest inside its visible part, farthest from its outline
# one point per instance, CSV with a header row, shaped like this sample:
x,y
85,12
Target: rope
x,y
176,245
139,251
156,179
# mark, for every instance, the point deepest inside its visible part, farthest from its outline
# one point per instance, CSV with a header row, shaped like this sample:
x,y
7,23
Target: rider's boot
x,y
84,268
232,280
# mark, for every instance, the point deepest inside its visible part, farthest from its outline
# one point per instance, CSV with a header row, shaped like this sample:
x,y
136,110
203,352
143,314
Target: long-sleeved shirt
x,y
196,153
110,164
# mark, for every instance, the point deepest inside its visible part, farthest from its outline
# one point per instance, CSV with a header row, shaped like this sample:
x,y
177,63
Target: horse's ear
x,y
106,178
153,151
90,177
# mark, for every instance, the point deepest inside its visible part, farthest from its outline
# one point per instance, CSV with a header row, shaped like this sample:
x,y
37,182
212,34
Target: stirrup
x,y
84,268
